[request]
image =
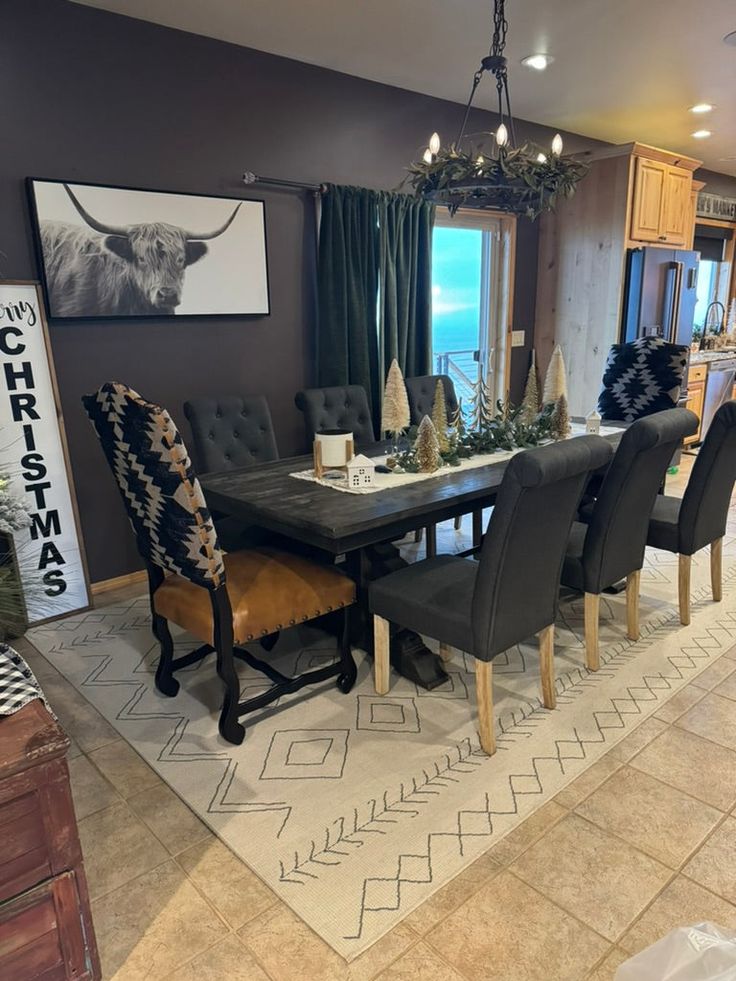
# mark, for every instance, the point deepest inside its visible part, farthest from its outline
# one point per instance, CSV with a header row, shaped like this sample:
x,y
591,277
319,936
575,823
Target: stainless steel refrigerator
x,y
660,294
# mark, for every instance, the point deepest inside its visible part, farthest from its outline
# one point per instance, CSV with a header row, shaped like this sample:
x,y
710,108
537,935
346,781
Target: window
x,y
471,299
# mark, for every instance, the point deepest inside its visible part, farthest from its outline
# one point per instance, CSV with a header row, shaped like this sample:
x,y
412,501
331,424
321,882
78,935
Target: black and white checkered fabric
x,y
162,495
642,377
18,686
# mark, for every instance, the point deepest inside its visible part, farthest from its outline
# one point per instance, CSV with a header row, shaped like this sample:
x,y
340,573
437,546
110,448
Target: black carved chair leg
x,y
230,727
165,680
348,670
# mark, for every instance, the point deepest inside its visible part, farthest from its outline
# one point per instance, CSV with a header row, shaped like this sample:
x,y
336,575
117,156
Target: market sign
x,y
716,206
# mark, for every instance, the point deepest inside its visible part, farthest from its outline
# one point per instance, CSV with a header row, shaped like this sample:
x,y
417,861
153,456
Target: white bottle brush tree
x,y
395,415
439,417
555,381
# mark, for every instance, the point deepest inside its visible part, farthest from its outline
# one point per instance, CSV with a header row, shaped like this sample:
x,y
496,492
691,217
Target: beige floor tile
x,y
169,818
602,880
714,866
38,664
682,903
232,888
718,671
74,751
80,720
639,738
727,688
692,764
153,924
679,703
421,963
712,718
731,654
90,790
447,899
527,833
124,768
588,781
509,932
117,847
229,959
607,970
660,820
372,961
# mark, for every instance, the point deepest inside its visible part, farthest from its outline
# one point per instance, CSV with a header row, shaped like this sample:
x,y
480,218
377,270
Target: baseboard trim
x,y
119,582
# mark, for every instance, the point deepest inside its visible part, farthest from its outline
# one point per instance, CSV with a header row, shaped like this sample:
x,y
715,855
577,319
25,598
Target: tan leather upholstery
x,y
269,591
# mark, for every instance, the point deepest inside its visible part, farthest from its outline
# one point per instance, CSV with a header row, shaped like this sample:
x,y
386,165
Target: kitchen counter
x,y
706,357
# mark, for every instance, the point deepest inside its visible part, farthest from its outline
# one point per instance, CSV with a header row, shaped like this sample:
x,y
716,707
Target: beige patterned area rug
x,y
356,808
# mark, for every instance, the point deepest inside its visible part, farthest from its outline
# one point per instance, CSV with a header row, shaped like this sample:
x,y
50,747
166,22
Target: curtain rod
x,y
250,178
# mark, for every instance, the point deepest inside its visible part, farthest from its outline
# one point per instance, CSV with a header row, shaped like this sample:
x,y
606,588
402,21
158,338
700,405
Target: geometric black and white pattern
x,y
18,686
161,493
641,377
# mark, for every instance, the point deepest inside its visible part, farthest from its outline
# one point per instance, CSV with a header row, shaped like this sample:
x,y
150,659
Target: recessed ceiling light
x,y
538,61
702,107
702,134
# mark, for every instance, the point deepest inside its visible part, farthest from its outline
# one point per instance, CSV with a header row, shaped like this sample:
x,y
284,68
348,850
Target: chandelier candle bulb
x,y
434,143
428,156
557,145
502,135
541,158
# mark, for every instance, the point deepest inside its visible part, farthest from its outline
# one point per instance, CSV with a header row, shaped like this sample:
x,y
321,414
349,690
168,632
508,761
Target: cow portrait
x,y
99,269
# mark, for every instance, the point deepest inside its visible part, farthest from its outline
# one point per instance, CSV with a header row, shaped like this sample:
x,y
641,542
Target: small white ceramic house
x,y
361,471
593,423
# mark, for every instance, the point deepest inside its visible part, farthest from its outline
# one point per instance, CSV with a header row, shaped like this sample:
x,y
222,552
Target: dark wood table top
x,y
338,522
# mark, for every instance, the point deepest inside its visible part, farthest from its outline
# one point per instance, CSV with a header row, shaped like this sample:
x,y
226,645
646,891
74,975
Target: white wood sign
x,y
33,454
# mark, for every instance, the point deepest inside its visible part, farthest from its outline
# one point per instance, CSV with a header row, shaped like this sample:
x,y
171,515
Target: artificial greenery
x,y
521,180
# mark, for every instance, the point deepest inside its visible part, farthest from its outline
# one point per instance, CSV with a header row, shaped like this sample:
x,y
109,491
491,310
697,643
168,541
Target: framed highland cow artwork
x,y
120,252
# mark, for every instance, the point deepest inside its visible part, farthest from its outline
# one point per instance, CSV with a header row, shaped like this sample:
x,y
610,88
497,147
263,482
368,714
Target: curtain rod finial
x,y
249,177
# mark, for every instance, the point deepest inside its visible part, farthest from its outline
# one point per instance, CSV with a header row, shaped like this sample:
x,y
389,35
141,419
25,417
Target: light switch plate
x,y
517,338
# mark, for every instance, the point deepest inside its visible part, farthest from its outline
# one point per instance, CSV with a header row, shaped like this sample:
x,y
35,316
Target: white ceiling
x,y
623,70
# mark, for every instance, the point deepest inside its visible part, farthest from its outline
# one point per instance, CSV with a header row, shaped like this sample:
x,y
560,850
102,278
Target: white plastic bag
x,y
703,952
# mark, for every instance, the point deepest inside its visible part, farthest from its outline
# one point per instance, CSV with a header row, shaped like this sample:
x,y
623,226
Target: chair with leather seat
x,y
698,519
485,607
340,407
223,600
610,547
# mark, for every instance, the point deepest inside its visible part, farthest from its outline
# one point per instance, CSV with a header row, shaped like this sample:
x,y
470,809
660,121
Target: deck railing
x,y
462,368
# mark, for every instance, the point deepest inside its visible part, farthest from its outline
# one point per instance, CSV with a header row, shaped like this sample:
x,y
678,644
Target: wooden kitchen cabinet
x,y
662,204
696,380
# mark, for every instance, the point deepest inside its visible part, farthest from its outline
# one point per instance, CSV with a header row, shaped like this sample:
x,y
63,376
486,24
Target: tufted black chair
x,y
231,431
342,407
486,607
611,546
421,396
686,525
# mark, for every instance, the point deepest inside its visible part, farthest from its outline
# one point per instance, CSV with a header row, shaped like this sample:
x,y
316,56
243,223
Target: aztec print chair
x,y
642,377
341,407
698,519
486,607
611,546
222,599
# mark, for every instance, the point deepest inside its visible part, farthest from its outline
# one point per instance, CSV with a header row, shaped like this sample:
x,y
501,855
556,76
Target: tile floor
x,y
643,841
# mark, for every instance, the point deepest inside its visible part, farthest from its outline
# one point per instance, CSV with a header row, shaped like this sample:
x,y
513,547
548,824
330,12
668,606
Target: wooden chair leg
x,y
591,614
165,680
484,686
349,671
547,666
445,652
716,569
431,541
458,522
477,528
633,581
230,727
418,535
381,654
683,587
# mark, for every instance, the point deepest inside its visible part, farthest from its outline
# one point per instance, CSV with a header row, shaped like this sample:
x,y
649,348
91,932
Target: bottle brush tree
x,y
555,381
426,447
395,415
560,422
530,402
439,416
482,412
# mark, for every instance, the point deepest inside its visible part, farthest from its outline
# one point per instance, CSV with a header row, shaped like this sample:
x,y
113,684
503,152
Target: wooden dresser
x,y
45,924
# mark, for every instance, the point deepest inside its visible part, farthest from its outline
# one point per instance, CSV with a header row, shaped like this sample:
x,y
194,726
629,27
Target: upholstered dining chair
x,y
485,607
341,407
642,377
698,519
223,599
231,431
610,546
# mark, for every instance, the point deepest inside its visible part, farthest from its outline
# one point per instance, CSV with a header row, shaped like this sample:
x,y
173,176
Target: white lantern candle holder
x,y
332,449
593,423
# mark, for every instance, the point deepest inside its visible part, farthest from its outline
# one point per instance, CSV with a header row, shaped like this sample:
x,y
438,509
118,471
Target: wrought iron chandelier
x,y
522,180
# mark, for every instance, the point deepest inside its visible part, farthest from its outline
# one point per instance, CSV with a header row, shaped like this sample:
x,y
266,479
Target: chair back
x,y
517,586
162,496
705,503
617,532
341,407
231,431
641,378
421,396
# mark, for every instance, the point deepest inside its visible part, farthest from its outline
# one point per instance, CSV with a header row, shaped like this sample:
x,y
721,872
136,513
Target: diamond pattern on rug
x,y
378,713
306,754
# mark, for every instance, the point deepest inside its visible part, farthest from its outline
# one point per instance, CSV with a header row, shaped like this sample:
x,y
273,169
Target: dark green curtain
x,y
374,285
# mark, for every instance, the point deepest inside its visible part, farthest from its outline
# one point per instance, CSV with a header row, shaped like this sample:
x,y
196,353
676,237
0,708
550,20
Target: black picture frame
x,y
86,315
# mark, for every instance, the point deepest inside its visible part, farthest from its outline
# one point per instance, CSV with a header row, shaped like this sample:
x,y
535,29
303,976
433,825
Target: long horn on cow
x,y
194,237
92,222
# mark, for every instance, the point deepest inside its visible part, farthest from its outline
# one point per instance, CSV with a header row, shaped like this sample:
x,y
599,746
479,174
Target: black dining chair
x,y
485,607
231,431
340,407
698,519
225,601
609,544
